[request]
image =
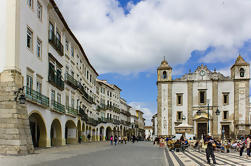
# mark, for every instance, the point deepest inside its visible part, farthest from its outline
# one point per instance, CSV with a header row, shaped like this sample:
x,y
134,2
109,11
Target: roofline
x,y
71,33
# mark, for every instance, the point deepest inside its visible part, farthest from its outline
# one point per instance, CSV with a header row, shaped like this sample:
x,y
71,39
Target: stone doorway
x,y
225,128
201,130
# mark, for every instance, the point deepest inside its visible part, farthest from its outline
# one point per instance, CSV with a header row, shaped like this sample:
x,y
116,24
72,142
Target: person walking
x,y
248,145
111,140
80,139
210,150
241,145
115,140
120,140
228,146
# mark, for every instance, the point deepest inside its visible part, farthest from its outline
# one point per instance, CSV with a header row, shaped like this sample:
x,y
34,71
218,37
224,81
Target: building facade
x,y
43,62
204,102
148,133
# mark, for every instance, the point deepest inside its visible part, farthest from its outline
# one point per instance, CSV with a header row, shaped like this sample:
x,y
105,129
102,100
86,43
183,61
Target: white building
x,y
65,100
183,103
148,133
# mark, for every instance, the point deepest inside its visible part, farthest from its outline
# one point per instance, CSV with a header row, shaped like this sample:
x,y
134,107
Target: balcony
x,y
128,123
55,79
36,97
88,98
92,122
116,122
80,88
83,114
56,43
58,107
71,111
71,81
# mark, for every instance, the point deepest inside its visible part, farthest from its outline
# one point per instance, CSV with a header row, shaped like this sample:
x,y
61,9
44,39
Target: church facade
x,y
204,102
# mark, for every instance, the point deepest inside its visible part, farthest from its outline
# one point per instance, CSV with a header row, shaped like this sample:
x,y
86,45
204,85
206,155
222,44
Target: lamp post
x,y
217,112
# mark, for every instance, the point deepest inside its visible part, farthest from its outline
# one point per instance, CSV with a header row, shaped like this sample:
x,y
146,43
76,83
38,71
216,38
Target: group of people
x,y
208,143
118,139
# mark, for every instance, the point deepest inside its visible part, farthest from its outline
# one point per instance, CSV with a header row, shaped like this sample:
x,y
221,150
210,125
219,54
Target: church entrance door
x,y
201,129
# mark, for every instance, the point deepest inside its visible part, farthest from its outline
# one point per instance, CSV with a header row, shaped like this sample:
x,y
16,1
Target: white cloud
x,y
144,108
115,42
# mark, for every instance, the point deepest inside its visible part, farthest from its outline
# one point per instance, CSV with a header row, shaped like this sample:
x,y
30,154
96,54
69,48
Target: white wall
x,y
2,33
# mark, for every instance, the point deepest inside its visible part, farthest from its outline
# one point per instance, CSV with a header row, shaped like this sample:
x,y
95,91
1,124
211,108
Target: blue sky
x,y
125,40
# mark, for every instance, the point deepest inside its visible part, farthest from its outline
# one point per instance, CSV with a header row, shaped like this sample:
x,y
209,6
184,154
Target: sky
x,y
126,40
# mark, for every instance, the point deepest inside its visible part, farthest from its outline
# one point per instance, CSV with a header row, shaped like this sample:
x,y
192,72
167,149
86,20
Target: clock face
x,y
202,72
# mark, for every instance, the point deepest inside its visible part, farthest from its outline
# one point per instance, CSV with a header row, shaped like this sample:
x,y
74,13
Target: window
x,y
67,45
225,114
164,74
179,99
39,10
225,98
39,48
59,98
30,3
202,97
29,81
39,85
52,95
72,51
72,102
67,101
242,72
51,34
58,37
29,38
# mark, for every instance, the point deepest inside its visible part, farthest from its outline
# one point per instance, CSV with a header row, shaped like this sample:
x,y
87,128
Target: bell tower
x,y
164,71
240,73
164,99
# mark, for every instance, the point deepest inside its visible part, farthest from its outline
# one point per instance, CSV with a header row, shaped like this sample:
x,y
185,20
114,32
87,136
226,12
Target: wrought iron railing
x,y
55,79
58,107
71,110
36,97
71,81
56,43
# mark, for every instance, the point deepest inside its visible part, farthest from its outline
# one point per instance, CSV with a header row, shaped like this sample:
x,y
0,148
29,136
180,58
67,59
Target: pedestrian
x,y
228,146
133,138
115,140
119,139
125,139
111,140
241,145
80,139
210,150
248,145
89,137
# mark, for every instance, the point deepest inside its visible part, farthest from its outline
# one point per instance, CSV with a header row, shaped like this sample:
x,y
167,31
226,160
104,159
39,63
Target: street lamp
x,y
217,112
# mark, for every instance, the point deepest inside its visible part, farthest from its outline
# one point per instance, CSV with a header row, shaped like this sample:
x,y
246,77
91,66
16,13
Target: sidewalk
x,y
53,153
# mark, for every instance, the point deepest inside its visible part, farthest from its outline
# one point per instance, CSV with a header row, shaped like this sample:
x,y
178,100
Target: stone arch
x,y
102,133
79,130
56,133
121,131
93,134
38,129
164,75
108,133
125,134
242,72
70,132
84,131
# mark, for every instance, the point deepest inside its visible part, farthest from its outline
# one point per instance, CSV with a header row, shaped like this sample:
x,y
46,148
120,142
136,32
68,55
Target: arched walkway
x,y
93,135
125,133
121,131
101,133
56,133
79,130
70,132
84,132
108,133
38,130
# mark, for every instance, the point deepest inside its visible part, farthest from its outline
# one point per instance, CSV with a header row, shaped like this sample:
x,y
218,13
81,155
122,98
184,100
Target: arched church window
x,y
242,72
164,74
